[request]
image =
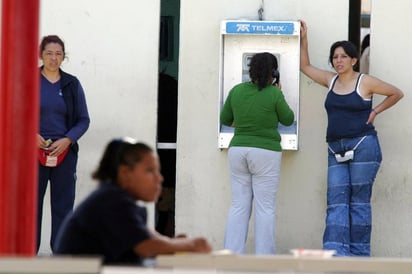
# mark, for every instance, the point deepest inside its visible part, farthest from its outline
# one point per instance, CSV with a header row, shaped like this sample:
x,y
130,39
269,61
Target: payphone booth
x,y
240,40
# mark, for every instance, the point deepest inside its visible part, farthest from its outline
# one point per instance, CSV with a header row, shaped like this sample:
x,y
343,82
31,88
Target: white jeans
x,y
254,174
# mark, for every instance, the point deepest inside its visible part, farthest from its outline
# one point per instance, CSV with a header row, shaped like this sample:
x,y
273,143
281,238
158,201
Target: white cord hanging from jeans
x,y
348,154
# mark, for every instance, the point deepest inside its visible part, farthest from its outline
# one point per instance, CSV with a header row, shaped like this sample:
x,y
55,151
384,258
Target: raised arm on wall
x,y
322,77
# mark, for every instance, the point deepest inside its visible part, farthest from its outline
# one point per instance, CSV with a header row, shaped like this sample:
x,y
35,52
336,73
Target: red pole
x,y
19,111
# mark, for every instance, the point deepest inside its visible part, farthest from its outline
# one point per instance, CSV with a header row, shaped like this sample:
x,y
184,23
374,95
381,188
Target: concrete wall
x,y
390,43
203,187
112,46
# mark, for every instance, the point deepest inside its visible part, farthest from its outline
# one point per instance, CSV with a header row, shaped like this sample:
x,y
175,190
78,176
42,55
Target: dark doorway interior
x,y
359,24
167,113
355,21
166,148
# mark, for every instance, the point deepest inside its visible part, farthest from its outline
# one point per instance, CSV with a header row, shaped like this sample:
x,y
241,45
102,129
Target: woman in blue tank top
x,y
354,154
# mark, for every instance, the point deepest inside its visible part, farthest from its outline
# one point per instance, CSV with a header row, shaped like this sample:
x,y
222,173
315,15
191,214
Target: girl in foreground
x,y
109,223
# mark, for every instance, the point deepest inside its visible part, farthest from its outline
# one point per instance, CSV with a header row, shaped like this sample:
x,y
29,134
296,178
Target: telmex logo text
x,y
243,27
265,28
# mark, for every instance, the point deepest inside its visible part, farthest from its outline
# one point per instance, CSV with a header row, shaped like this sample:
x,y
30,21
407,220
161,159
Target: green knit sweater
x,y
255,115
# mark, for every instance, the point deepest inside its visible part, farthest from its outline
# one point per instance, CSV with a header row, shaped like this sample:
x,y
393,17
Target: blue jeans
x,y
349,213
254,174
62,193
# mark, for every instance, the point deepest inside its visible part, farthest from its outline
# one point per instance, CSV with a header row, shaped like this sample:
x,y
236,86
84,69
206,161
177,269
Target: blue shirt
x,y
52,110
63,109
347,114
107,224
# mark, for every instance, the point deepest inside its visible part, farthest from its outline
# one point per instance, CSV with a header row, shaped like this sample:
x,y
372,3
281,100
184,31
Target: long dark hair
x,y
365,42
261,68
122,151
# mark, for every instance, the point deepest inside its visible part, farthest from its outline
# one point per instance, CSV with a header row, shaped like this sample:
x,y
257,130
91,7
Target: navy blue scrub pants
x,y
62,192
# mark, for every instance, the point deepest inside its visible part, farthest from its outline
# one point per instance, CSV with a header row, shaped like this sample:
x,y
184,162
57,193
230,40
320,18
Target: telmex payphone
x,y
240,40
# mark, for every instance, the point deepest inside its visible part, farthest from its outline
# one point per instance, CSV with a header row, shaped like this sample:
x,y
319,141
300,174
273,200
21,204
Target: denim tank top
x,y
347,114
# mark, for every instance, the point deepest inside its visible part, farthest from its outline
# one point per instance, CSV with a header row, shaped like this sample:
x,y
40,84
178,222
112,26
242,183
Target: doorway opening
x,y
359,25
167,113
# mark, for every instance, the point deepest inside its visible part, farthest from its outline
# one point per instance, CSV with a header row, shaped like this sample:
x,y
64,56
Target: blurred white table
x,y
211,264
49,265
280,264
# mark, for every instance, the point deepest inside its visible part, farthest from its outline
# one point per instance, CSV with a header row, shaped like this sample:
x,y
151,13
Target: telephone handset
x,y
276,77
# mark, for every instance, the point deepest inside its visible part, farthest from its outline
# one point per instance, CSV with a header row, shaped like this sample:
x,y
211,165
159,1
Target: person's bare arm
x,y
160,244
322,77
371,85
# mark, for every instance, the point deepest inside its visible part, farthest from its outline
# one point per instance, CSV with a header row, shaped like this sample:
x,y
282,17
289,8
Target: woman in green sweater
x,y
255,109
